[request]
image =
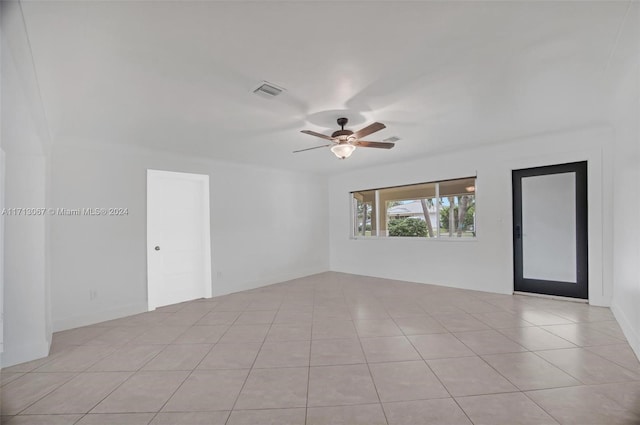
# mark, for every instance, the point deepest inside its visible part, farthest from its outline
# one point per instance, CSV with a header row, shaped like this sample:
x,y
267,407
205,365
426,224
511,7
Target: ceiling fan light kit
x,y
343,150
344,142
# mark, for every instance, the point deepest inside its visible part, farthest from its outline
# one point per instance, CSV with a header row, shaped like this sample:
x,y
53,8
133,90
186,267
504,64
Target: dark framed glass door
x,y
550,230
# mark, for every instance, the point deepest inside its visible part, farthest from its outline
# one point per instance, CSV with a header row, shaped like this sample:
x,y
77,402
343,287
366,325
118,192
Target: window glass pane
x,y
458,208
424,210
410,211
364,213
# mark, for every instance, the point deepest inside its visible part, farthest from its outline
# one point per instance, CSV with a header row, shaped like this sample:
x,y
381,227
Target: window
x,y
445,209
363,211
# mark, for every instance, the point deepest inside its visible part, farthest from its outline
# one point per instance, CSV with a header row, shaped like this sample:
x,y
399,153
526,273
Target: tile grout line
x,y
196,366
191,372
612,361
430,369
481,356
542,408
500,374
254,361
74,373
313,308
373,381
133,373
86,371
582,383
356,295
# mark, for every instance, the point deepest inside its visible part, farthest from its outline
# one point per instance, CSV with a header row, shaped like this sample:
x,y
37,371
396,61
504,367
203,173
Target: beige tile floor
x,y
337,349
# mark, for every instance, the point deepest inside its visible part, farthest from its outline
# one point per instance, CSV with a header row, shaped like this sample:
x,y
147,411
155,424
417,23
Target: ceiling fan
x,y
344,142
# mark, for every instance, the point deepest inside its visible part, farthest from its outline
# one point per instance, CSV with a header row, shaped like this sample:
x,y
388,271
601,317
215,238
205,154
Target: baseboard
x,y
98,316
552,297
627,328
230,288
453,285
16,354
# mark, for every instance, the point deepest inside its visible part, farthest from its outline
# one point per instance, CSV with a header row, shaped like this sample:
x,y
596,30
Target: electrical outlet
x,y
93,294
219,275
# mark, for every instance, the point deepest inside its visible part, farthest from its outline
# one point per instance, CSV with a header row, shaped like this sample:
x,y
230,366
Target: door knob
x,y
157,248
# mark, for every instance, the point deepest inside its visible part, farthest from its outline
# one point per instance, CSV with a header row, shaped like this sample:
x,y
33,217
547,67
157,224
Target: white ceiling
x,y
178,76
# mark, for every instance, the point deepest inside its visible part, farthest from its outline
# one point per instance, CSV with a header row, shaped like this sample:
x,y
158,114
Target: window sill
x,y
409,238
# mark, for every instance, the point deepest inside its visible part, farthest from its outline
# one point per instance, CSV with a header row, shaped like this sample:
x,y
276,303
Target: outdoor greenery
x,y
407,227
456,218
367,227
363,218
444,218
463,211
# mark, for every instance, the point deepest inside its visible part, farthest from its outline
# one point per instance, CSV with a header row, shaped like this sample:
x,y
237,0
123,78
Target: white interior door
x,y
178,239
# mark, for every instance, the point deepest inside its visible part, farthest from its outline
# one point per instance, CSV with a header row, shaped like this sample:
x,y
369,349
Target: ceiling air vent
x,y
268,90
391,139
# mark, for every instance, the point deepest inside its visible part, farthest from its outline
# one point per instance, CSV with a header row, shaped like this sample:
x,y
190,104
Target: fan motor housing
x,y
343,133
343,142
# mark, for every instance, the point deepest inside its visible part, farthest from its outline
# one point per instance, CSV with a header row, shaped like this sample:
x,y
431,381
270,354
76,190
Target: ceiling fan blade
x,y
380,145
320,135
308,149
370,129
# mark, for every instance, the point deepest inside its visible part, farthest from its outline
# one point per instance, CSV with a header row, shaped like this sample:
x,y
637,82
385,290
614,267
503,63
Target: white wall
x,y
25,302
485,263
27,332
266,226
623,77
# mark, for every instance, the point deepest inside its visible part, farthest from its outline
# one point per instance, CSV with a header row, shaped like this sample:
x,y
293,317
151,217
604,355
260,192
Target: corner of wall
x,y
628,328
25,139
233,287
16,354
97,317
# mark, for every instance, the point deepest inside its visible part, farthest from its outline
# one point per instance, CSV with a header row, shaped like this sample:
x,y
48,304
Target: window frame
x,y
353,211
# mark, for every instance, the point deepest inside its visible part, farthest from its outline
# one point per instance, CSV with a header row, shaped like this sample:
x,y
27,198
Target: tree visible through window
x,y
445,209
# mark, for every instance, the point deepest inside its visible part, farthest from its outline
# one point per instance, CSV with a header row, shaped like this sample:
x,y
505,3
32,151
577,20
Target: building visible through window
x,y
445,209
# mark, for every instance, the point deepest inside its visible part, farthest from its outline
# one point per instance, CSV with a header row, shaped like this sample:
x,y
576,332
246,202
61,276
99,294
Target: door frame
x,y
205,226
553,288
3,167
